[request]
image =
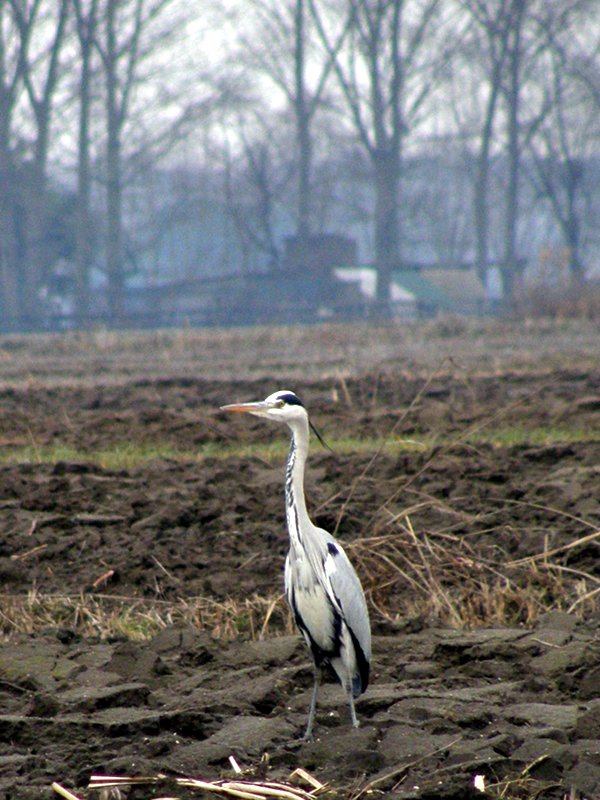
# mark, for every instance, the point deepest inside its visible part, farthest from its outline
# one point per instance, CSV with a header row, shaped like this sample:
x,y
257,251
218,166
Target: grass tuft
x,y
108,616
438,576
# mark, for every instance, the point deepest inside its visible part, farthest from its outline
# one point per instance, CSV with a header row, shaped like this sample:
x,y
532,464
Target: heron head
x,y
282,406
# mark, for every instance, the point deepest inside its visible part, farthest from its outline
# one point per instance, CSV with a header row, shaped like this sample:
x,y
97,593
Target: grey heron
x,y
322,588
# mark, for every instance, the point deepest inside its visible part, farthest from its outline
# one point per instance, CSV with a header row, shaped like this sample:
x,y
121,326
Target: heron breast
x,y
317,616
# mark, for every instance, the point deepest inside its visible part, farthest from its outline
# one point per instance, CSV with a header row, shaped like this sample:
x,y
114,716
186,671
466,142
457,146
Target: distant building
x,y
304,289
404,301
423,291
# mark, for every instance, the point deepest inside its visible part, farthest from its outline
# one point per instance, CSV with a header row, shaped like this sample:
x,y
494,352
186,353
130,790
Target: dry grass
x,y
106,616
246,788
449,583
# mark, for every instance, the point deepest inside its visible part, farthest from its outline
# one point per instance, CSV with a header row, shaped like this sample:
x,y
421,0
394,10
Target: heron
x,y
321,585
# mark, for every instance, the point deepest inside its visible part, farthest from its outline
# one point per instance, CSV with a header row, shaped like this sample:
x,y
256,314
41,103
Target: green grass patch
x,y
535,437
128,455
122,455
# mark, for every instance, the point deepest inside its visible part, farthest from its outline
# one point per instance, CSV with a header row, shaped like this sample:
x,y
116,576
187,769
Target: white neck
x,y
295,503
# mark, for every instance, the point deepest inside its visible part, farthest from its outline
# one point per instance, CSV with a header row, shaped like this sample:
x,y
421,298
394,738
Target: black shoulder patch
x,y
290,399
332,548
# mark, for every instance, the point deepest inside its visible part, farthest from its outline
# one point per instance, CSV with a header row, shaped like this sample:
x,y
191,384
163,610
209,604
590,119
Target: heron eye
x,y
280,403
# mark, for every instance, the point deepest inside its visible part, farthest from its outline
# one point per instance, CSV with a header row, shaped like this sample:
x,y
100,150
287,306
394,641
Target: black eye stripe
x,y
290,399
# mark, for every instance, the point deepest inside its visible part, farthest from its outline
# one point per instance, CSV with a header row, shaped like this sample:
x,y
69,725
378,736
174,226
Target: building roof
x,y
443,289
366,278
423,290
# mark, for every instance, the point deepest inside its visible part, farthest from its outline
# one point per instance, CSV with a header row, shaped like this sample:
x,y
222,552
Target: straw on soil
x,y
246,789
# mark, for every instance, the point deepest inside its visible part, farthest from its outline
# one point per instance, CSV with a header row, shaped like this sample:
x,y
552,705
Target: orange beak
x,y
246,407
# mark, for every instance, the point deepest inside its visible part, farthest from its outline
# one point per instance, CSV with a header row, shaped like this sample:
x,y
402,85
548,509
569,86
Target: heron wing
x,y
315,613
348,593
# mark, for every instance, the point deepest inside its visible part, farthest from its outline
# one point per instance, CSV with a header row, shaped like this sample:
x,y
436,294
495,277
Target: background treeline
x,y
450,131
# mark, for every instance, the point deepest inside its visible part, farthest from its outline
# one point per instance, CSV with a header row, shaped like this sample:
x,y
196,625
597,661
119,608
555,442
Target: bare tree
x,y
505,41
118,44
14,43
258,180
86,17
386,72
148,106
530,98
30,64
281,47
486,48
513,87
41,76
124,39
570,133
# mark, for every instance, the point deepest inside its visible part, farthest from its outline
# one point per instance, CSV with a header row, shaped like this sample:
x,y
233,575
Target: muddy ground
x,y
516,701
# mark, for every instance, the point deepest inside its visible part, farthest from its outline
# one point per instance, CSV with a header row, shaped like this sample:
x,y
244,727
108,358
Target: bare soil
x,y
518,703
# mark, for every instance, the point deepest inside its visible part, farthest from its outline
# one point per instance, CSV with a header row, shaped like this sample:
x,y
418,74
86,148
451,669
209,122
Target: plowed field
x,y
142,540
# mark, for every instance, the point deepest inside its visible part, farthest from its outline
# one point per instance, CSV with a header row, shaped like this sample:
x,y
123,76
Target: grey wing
x,y
348,592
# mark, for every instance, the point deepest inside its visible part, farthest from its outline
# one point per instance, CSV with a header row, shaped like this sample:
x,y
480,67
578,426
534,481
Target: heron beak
x,y
249,408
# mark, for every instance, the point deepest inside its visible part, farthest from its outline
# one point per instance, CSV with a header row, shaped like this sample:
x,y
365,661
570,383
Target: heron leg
x,y
313,704
353,717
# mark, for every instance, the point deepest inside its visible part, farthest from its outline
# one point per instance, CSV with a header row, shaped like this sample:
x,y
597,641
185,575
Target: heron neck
x,y
295,503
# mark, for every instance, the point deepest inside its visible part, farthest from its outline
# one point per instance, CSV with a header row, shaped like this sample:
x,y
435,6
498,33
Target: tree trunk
x,y
574,177
480,201
36,266
9,298
114,258
302,128
480,198
114,254
86,25
387,232
83,244
511,262
33,263
33,217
